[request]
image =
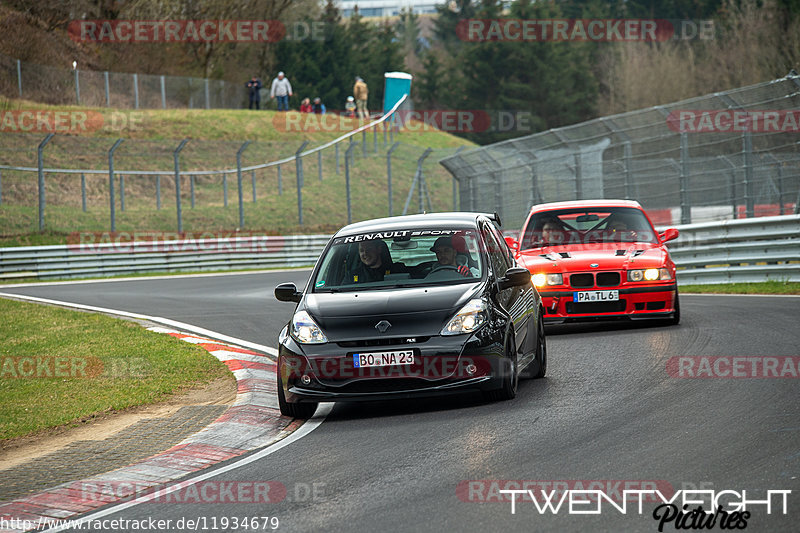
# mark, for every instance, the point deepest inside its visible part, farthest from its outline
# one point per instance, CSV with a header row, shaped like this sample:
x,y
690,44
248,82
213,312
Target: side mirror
x,y
669,234
512,243
515,277
287,292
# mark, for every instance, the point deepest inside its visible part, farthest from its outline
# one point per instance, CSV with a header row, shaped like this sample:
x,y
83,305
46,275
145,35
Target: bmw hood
x,y
416,312
622,256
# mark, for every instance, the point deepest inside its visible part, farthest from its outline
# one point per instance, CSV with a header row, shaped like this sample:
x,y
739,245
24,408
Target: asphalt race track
x,y
608,411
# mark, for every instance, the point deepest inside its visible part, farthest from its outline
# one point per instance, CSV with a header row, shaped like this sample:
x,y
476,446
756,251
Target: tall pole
x,y
176,156
111,201
239,182
40,160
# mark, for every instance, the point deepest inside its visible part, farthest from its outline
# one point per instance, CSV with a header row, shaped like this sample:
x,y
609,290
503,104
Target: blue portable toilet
x,y
396,84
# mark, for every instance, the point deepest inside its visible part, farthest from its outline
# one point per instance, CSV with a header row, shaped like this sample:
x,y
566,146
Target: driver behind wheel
x,y
448,255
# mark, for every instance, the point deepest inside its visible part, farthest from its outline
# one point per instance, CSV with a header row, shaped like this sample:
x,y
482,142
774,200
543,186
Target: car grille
x,y
595,307
608,279
381,342
581,281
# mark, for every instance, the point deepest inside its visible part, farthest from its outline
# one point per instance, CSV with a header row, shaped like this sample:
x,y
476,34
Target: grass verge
x,y
61,367
766,287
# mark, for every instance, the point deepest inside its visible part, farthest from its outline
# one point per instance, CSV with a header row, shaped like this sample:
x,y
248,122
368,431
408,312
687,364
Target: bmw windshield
x,y
400,258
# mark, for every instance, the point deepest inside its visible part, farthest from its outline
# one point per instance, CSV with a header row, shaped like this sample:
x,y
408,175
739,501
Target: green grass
x,y
216,135
84,365
766,287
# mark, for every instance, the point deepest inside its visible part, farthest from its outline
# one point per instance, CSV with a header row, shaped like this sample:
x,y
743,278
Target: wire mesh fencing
x,y
727,155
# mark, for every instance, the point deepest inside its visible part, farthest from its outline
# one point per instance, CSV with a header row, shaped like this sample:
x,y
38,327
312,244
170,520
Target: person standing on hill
x,y
254,89
282,90
360,92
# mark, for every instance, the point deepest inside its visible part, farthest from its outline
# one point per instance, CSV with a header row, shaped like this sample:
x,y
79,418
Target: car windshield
x,y
582,226
399,258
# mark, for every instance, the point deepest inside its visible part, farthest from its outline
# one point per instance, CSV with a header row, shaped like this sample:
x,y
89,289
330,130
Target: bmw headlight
x,y
305,330
540,280
649,274
468,319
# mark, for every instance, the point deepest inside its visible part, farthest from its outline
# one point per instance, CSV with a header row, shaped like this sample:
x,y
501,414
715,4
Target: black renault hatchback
x,y
410,306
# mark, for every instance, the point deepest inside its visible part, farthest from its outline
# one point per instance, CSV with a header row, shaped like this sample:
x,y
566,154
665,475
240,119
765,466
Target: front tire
x,y
676,316
510,379
295,410
540,362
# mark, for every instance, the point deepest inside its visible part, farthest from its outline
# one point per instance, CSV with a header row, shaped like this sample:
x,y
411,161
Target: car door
x,y
513,299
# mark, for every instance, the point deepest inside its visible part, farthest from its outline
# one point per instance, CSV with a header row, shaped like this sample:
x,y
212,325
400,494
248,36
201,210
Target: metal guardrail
x,y
759,249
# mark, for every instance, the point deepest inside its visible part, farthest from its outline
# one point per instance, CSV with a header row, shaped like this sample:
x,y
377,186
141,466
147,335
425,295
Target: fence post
x,y
191,188
1,189
747,148
158,192
364,143
136,91
418,181
163,93
298,167
253,183
40,160
239,182
731,184
208,101
175,156
686,208
121,192
280,181
77,86
107,88
384,133
389,173
375,139
337,158
780,186
347,158
578,176
319,164
627,155
111,200
19,77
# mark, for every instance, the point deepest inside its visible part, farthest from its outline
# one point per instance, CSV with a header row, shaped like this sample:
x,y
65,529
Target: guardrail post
x,y
158,192
77,86
175,156
107,89
239,181
389,174
280,181
253,183
749,200
298,166
686,208
19,77
347,158
40,160
111,200
191,189
121,192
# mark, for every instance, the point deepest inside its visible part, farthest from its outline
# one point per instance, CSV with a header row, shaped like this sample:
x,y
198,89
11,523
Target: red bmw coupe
x,y
598,260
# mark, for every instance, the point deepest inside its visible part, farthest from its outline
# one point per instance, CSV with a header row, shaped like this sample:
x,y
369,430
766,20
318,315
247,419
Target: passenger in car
x,y
374,262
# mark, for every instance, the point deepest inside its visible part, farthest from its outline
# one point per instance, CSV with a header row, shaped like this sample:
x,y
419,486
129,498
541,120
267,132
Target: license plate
x,y
595,296
402,357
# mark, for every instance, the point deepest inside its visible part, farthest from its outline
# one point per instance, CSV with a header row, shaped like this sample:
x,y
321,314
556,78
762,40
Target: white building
x,y
387,8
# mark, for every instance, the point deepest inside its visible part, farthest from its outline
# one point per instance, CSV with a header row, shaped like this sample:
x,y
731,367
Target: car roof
x,y
585,203
426,220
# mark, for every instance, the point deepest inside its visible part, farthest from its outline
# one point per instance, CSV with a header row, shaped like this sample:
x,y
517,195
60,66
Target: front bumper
x,y
635,302
443,365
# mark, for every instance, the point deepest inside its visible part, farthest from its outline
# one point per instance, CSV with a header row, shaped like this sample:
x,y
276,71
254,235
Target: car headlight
x,y
468,319
540,280
305,330
649,274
